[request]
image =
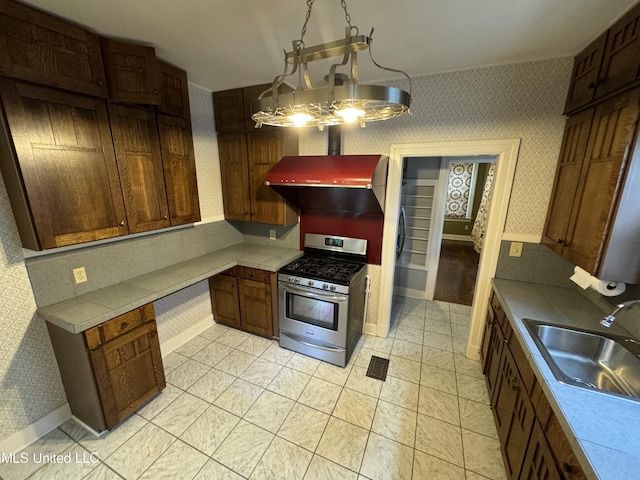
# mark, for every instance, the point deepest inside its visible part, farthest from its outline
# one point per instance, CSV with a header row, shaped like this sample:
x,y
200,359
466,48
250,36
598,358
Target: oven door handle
x,y
308,344
310,293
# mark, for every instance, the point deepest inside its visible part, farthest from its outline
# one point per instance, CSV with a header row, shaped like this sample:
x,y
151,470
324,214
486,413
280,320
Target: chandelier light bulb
x,y
300,119
350,114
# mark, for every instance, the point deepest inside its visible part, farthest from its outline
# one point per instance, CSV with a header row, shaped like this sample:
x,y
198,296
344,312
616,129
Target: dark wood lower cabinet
x,y
110,370
532,442
245,298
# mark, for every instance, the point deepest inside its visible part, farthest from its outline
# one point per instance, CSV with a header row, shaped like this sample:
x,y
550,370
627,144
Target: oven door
x,y
313,314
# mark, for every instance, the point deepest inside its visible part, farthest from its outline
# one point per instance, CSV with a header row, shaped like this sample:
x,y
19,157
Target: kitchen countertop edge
x,y
85,311
602,452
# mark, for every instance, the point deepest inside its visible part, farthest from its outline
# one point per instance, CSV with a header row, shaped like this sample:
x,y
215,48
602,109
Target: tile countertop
x,y
86,311
604,430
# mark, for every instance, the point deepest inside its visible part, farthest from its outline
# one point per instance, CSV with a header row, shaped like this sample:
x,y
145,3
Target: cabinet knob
x,y
560,241
173,215
123,325
155,92
566,467
121,223
164,217
99,82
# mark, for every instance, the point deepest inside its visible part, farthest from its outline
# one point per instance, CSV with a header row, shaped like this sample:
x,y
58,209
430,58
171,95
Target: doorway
x,y
506,152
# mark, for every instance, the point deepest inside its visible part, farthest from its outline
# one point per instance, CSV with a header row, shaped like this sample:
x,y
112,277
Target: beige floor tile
x,y
304,426
440,405
172,361
438,358
320,394
472,388
289,383
232,338
359,382
395,423
323,469
180,414
159,402
355,407
466,366
215,331
400,392
236,362
432,325
216,471
332,373
239,397
277,354
482,455
210,429
261,372
343,443
477,417
440,439
436,340
409,334
255,345
193,346
282,461
187,374
242,449
408,350
211,385
385,459
178,461
429,467
269,411
212,353
303,364
439,379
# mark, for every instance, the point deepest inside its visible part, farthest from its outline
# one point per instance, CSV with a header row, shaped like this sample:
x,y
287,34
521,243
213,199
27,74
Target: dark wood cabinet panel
x,y
250,95
67,165
132,72
255,307
621,62
246,298
539,462
565,184
174,91
612,132
178,159
265,148
228,110
43,49
137,145
110,370
563,452
235,176
586,69
128,372
225,301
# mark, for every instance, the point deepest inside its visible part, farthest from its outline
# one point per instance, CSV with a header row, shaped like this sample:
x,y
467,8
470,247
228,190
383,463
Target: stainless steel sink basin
x,y
593,360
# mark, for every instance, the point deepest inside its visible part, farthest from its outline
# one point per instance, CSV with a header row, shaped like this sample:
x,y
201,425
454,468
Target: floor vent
x,y
378,368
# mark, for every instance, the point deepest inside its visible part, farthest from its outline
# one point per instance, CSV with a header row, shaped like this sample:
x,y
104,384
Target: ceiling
x,y
233,43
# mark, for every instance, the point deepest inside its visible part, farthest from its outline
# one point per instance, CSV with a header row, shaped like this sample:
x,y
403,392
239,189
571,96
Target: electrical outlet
x,y
272,234
466,227
516,249
79,275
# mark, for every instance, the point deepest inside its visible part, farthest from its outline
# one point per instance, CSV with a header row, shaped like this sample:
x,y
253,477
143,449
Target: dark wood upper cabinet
x,y
133,74
135,137
63,185
621,62
179,165
228,110
586,68
234,170
43,49
174,90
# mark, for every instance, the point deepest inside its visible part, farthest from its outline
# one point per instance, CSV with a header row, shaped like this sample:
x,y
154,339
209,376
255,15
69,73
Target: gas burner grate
x,y
378,367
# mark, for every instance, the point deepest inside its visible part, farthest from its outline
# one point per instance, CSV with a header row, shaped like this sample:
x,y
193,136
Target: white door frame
x,y
506,152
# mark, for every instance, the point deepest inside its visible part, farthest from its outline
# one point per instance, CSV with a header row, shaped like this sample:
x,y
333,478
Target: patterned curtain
x,y
458,188
480,224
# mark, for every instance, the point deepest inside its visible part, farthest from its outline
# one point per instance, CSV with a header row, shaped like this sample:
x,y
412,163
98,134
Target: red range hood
x,y
351,183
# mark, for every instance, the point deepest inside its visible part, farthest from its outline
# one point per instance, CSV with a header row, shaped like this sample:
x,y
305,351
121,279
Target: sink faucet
x,y
609,319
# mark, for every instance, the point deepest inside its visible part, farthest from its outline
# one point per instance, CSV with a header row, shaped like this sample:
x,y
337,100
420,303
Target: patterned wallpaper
x,y
523,100
30,385
458,189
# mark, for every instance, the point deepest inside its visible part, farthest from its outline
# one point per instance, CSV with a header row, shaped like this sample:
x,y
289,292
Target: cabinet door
x,y
132,72
179,164
565,184
255,307
612,131
235,179
224,300
67,165
250,95
562,451
486,350
228,110
43,49
586,68
135,137
128,372
514,415
621,64
538,462
264,149
174,91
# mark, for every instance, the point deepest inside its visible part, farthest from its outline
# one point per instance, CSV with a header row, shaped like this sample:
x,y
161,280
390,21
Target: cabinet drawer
x,y
253,274
109,330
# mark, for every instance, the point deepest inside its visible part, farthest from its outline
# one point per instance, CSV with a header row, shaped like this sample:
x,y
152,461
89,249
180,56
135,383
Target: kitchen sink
x,y
594,360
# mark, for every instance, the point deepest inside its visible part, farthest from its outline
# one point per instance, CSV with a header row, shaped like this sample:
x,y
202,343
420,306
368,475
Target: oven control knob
x,y
333,288
291,279
325,286
296,280
310,283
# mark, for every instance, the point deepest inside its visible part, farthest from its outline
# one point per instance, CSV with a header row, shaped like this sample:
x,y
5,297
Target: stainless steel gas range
x,y
322,298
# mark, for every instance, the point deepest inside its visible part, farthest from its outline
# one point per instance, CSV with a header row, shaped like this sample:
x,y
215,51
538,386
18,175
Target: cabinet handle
x,y
164,217
121,223
566,467
155,92
560,241
123,325
99,82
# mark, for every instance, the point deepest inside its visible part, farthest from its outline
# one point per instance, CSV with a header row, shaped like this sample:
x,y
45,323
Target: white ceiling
x,y
232,43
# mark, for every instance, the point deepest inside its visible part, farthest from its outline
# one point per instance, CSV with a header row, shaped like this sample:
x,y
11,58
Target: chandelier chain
x,y
347,18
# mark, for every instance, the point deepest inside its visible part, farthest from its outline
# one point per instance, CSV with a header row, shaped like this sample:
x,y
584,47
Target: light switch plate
x,y
516,249
79,275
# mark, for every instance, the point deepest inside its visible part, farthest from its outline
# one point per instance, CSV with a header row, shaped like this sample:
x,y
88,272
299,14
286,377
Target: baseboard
x,y
519,237
37,429
170,345
371,329
461,238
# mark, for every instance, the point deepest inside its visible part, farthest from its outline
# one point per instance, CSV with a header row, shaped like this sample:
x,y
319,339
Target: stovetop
x,y
331,269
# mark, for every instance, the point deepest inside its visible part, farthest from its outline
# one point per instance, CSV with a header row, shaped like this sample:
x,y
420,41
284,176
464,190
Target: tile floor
x,y
238,406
